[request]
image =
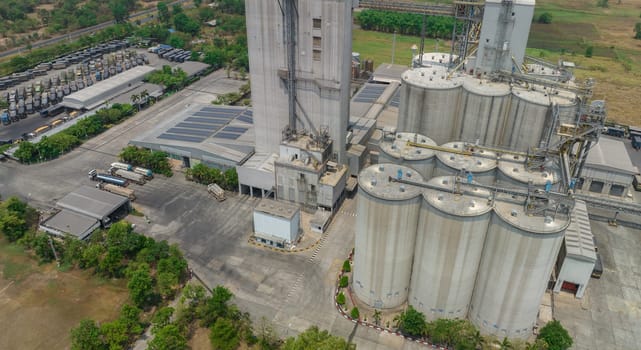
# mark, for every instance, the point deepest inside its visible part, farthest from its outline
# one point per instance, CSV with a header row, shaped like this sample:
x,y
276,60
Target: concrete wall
x,y
323,77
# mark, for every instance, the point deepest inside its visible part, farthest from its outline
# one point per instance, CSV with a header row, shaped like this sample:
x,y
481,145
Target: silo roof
x,y
375,181
513,214
513,166
485,87
430,77
473,202
400,149
539,97
476,164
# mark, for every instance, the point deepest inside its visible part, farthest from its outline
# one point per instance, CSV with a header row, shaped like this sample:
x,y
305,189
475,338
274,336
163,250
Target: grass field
x,y
576,25
39,304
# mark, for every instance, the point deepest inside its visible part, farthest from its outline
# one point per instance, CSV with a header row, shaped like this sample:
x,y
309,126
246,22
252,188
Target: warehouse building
x,y
67,222
276,223
216,136
101,92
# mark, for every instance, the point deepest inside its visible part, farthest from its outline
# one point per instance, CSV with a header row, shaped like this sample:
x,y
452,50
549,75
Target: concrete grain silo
x,y
526,119
514,173
429,102
449,242
519,253
397,151
482,113
482,163
387,215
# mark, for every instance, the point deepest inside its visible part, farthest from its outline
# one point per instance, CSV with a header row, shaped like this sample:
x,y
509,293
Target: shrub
x,y
545,18
355,314
555,336
346,266
344,281
340,298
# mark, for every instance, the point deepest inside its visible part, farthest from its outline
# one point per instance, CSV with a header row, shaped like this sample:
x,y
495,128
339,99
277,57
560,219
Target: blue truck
x,y
5,118
636,142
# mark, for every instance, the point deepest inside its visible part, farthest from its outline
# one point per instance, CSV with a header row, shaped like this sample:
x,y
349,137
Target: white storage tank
x,y
520,251
387,215
449,242
397,151
513,172
483,110
429,102
526,119
482,163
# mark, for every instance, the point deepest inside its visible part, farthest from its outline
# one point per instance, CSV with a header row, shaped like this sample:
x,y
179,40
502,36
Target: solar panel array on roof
x,y
198,126
396,99
235,129
226,135
245,119
181,138
204,120
194,132
370,93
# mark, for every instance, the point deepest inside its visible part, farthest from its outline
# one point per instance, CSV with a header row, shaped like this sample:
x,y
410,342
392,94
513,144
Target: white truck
x,y
129,175
217,192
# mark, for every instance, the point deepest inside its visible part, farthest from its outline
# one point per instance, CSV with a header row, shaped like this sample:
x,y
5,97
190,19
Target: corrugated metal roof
x,y
579,242
75,224
92,202
611,154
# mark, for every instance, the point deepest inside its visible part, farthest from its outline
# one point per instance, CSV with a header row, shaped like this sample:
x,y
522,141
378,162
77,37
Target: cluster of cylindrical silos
x,y
460,106
452,254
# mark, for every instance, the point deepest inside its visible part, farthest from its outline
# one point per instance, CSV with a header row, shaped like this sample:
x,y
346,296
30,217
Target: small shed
x,y
94,203
276,223
577,256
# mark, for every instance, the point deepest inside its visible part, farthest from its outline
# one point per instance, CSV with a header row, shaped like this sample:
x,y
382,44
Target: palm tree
x,y
377,317
144,96
135,99
506,344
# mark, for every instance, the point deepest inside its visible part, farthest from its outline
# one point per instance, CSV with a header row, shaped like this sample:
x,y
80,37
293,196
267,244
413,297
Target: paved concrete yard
x,y
609,316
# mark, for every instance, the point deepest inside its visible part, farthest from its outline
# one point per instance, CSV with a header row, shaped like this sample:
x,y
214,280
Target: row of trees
x,y
66,140
406,23
35,56
171,78
203,174
461,334
154,160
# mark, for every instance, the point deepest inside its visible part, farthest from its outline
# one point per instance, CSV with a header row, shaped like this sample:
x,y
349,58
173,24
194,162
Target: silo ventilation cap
x,y
516,170
402,188
472,204
408,173
381,167
373,181
440,197
548,219
514,213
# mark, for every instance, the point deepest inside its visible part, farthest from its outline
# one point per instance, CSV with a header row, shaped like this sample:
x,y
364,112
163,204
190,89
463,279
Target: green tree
x,y
216,306
91,256
86,336
637,30
315,339
555,336
162,318
130,317
197,3
545,18
166,283
163,12
603,3
346,266
115,334
141,285
168,337
589,51
111,265
267,337
224,335
119,10
340,298
411,322
343,282
12,225
355,314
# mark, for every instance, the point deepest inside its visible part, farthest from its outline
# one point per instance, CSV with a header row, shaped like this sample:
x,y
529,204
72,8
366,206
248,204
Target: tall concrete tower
x,y
314,37
504,35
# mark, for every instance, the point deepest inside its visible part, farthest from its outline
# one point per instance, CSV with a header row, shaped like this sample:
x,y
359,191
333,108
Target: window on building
x,y
316,23
596,187
617,190
316,42
317,55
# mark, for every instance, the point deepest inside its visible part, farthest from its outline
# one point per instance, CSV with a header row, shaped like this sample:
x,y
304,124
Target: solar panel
x,y
234,129
220,109
249,112
226,135
246,119
181,138
366,100
198,126
205,120
396,100
214,115
193,132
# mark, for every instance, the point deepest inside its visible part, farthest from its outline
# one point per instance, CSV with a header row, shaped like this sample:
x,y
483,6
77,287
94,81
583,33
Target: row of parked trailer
x,y
170,53
62,62
118,177
44,94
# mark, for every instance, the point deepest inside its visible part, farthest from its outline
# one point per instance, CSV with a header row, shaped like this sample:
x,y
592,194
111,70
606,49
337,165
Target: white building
x,y
276,223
